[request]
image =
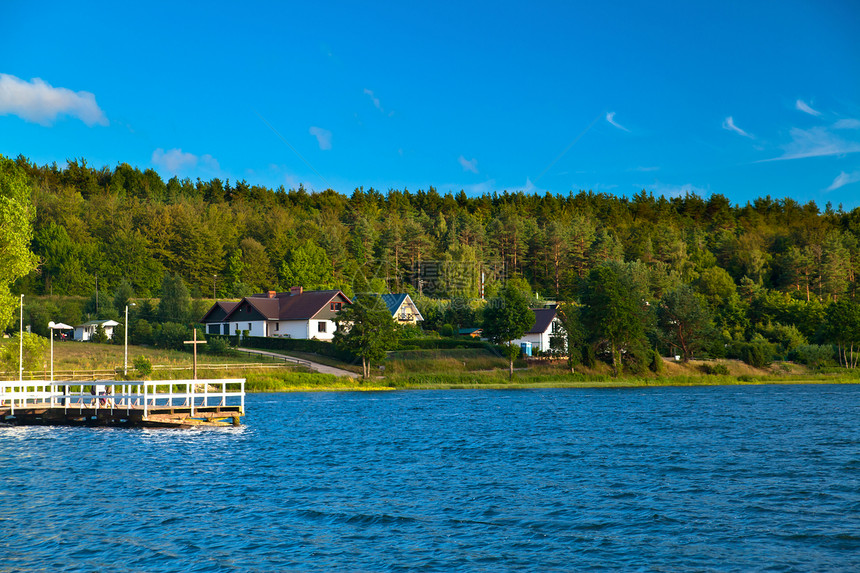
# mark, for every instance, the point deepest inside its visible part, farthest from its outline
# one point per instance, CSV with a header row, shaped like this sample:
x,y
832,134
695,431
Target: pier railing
x,y
127,395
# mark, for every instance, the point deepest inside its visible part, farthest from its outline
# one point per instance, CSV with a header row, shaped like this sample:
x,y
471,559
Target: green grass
x,y
443,361
420,369
283,381
530,379
104,359
320,359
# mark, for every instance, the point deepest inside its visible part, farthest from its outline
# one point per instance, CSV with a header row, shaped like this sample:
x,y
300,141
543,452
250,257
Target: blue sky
x,y
744,99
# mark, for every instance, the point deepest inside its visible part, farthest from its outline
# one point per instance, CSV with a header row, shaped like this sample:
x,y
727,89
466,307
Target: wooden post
x,y
194,344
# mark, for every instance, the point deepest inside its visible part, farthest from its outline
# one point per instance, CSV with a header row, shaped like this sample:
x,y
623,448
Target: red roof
x,y
287,306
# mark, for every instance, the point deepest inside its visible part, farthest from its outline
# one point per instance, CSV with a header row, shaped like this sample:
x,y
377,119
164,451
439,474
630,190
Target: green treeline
x,y
769,271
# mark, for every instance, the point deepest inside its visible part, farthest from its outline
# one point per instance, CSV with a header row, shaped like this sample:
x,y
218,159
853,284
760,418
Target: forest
x,y
772,274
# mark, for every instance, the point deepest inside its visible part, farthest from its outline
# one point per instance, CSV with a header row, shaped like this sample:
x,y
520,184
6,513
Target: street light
x,y
125,331
21,345
213,286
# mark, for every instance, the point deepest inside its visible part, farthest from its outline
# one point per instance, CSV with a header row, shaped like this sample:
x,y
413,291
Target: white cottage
x,y
294,314
538,337
85,331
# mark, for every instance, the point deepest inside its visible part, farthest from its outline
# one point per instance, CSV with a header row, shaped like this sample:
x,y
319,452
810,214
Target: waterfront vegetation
x,y
771,283
418,369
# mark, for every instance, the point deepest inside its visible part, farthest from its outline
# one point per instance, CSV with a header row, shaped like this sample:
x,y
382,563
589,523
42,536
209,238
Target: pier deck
x,y
151,403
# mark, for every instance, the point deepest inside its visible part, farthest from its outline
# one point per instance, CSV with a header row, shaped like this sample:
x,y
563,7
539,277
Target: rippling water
x,y
677,479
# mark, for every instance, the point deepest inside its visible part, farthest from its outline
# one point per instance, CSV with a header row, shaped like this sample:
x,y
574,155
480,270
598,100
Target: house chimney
x,y
272,294
295,291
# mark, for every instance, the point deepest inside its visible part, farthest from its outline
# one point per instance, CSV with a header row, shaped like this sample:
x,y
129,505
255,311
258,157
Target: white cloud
x,y
815,142
645,169
41,103
805,108
844,179
671,190
532,189
610,117
729,124
847,124
468,164
177,161
472,189
323,137
374,99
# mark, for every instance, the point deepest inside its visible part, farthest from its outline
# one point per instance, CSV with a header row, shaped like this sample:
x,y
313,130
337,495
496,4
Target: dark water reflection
x,y
680,479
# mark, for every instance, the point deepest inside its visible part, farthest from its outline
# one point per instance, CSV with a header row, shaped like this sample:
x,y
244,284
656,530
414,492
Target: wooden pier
x,y
129,404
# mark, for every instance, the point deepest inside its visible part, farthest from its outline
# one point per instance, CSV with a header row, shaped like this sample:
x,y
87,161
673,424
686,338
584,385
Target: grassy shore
x,y
433,369
523,379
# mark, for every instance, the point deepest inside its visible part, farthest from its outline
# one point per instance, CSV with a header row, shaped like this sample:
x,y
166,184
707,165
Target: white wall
x,y
535,339
292,328
539,341
330,327
257,327
87,333
298,329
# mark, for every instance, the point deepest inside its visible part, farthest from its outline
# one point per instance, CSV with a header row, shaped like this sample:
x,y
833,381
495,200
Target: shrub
x,y
715,369
172,336
657,366
143,366
217,345
589,359
320,347
140,332
757,354
100,336
446,330
813,355
410,331
637,358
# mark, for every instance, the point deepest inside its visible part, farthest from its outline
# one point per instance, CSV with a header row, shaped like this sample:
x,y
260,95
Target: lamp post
x,y
21,344
213,286
51,330
125,331
53,326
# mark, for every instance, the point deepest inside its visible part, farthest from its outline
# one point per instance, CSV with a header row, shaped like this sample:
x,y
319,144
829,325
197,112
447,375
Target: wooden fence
x,y
84,375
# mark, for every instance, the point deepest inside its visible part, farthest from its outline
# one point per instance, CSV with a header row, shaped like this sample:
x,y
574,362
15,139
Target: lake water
x,y
665,479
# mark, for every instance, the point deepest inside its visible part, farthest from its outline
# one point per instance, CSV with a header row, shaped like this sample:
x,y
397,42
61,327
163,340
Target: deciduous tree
x,y
508,317
366,329
16,232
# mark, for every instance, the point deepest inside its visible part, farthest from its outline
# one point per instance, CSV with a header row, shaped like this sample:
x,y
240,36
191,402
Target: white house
x,y
402,309
294,314
538,337
85,331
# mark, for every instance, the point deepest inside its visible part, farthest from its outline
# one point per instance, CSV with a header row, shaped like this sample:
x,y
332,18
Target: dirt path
x,y
321,368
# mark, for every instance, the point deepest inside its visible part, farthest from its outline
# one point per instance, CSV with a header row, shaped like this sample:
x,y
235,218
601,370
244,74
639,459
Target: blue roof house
x,y
402,309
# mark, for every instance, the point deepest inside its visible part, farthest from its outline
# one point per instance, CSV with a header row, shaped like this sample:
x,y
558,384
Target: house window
x,y
321,326
277,326
249,326
336,306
